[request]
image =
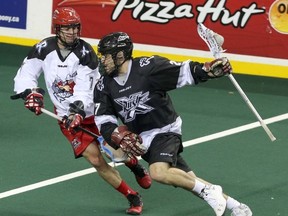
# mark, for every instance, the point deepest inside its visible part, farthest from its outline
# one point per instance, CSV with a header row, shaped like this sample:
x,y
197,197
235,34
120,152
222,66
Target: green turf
x,y
247,165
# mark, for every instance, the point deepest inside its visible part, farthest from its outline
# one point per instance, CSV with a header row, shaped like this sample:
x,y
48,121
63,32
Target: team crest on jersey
x,y
145,61
75,143
84,51
100,84
134,105
41,45
63,88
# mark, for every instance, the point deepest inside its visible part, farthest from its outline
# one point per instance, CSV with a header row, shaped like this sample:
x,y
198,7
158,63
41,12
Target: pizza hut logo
x,y
164,11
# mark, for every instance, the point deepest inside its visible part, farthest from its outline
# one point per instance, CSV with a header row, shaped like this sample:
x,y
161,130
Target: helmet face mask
x,y
110,64
67,26
117,46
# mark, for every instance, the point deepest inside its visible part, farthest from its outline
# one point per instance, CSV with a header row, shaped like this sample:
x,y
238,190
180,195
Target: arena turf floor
x,y
36,159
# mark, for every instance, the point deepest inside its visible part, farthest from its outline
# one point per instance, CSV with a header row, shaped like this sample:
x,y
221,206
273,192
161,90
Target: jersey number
x,y
97,106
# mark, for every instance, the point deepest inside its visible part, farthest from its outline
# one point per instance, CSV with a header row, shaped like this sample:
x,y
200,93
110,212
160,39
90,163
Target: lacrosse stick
x,y
53,115
47,112
215,42
107,150
117,158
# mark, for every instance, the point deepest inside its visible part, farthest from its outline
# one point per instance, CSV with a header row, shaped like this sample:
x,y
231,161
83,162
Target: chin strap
x,y
67,45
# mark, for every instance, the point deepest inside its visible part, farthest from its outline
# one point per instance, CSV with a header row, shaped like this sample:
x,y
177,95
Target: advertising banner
x,y
13,13
258,28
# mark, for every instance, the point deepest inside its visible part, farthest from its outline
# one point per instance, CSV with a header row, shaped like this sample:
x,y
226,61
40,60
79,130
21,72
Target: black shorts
x,y
167,147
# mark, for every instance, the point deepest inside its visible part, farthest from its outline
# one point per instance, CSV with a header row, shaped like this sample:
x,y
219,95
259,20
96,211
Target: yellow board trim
x,y
18,41
240,67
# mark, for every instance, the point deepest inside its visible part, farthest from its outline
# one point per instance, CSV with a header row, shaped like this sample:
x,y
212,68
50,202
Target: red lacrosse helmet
x,y
66,17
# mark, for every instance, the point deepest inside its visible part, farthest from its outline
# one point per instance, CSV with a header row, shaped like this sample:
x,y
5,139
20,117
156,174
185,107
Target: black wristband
x,y
199,75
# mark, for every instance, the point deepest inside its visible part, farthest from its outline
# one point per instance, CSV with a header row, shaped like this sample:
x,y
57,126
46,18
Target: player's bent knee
x,y
158,175
93,155
97,161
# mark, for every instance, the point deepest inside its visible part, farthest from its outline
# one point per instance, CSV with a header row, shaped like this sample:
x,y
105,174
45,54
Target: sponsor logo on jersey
x,y
134,105
166,154
62,66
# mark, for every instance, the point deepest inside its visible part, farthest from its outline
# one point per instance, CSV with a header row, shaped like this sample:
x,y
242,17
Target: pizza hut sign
x,y
165,11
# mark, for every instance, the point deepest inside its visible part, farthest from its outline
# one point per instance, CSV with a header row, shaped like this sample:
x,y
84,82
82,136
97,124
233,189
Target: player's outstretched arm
x,y
217,68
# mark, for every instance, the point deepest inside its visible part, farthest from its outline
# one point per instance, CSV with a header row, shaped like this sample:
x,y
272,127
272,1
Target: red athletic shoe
x,y
142,176
136,204
141,173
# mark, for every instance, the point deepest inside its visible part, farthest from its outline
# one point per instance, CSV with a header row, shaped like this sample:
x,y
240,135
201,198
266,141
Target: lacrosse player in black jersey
x,y
134,90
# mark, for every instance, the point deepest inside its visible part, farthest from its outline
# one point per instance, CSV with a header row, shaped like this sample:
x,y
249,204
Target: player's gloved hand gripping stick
x,y
23,95
215,42
118,157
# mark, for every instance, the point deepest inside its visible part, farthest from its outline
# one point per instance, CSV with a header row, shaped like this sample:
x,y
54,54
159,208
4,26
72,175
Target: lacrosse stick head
x,y
213,40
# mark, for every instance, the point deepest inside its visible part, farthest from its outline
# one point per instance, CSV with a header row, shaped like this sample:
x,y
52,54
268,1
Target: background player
x,y
70,71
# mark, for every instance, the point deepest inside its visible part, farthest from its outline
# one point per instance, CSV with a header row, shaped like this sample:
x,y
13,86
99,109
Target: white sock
x,y
231,203
198,186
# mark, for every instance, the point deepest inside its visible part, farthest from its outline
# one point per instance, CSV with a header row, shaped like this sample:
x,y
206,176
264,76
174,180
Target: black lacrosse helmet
x,y
115,42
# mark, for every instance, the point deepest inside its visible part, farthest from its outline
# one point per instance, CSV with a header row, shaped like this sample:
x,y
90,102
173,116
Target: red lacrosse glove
x,y
72,122
75,117
34,101
129,142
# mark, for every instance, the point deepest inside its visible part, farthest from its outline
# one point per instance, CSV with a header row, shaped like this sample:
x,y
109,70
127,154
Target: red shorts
x,y
80,140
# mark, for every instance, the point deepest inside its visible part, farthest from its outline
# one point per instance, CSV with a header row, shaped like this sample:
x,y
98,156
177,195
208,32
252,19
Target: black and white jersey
x,y
67,78
140,99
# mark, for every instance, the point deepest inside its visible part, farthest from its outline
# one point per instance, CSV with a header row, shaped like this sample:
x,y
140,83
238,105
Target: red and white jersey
x,y
67,79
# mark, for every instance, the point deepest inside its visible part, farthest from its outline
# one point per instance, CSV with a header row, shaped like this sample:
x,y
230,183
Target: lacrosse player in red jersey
x,y
70,71
135,90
